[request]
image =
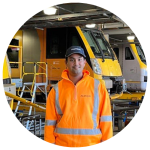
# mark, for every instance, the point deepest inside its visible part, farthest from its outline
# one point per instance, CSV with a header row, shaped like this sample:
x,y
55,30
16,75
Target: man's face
x,y
75,64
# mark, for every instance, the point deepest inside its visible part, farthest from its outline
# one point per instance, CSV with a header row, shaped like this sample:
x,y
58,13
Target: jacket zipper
x,y
75,93
75,89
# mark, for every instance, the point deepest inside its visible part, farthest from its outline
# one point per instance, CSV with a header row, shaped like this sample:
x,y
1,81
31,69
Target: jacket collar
x,y
65,74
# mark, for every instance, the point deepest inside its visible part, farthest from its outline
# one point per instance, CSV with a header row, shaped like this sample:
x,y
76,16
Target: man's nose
x,y
76,62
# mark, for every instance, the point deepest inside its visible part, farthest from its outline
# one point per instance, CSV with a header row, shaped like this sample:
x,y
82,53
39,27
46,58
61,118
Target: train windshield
x,y
98,44
141,53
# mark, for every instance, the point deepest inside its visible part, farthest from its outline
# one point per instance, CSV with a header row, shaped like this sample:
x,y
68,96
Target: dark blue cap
x,y
75,50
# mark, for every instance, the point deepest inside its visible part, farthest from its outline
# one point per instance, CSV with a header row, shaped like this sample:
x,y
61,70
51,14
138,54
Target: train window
x,y
56,43
13,57
116,50
141,53
92,42
103,45
14,42
59,39
73,38
128,54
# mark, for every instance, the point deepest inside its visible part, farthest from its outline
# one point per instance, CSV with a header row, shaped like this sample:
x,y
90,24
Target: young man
x,y
78,111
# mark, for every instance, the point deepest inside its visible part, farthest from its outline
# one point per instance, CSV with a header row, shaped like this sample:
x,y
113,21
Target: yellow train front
x,y
101,60
49,45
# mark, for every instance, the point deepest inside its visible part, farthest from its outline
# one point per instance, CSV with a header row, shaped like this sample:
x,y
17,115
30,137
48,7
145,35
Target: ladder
x,y
31,87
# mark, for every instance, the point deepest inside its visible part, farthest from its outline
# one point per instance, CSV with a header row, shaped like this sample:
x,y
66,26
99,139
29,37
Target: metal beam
x,y
68,16
121,43
118,31
63,24
118,19
58,7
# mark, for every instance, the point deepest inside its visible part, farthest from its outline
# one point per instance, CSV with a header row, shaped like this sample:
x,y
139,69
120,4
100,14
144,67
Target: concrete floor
x,y
115,132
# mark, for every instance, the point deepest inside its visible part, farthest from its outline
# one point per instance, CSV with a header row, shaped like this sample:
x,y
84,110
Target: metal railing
x,y
123,111
25,101
35,126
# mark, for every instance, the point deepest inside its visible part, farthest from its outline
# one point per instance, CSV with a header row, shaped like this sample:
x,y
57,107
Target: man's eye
x,y
71,60
79,59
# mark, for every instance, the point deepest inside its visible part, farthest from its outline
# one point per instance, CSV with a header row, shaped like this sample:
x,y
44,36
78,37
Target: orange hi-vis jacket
x,y
78,115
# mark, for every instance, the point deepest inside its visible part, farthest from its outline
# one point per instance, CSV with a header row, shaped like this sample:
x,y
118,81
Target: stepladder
x,y
31,88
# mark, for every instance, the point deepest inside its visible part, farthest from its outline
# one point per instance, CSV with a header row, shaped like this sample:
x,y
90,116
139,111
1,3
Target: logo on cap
x,y
75,49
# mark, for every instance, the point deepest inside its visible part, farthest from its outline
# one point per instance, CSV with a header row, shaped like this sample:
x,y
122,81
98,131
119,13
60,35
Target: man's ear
x,y
66,62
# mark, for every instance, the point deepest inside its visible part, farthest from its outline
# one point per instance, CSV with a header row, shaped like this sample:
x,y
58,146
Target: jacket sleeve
x,y
105,114
50,118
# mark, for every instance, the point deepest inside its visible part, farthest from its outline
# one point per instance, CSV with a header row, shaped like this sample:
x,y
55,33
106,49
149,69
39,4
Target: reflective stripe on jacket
x,y
78,115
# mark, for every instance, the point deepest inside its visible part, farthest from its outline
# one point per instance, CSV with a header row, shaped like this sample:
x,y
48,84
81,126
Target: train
x,y
133,64
50,44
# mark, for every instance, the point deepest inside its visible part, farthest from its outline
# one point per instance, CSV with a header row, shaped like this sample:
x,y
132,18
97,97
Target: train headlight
x,y
131,37
96,66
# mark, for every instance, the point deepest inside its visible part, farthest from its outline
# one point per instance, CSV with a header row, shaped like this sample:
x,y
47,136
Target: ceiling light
x,y
90,25
131,37
50,11
39,28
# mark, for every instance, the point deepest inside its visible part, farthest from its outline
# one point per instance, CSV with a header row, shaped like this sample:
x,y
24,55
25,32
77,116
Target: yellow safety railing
x,y
34,73
41,73
25,101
